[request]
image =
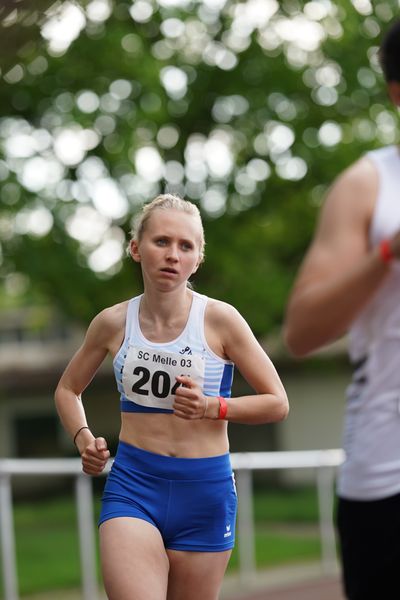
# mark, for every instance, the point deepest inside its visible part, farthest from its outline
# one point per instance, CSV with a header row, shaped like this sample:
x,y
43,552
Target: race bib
x,y
149,376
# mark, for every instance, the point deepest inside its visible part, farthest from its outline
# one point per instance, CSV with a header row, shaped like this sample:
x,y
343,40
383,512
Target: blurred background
x,y
248,108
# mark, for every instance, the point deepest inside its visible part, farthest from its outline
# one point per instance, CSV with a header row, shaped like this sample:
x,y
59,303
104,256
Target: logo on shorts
x,y
228,531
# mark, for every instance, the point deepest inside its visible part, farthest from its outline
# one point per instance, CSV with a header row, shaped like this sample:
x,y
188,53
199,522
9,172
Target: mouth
x,y
169,270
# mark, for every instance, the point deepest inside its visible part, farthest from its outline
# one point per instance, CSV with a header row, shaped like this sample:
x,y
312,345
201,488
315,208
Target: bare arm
x,y
269,403
340,272
76,377
237,342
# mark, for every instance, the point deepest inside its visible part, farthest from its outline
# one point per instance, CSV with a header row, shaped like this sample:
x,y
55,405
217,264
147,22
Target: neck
x,y
166,305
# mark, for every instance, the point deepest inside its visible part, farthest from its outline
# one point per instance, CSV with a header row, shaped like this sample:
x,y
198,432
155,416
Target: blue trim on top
x,y
129,406
225,389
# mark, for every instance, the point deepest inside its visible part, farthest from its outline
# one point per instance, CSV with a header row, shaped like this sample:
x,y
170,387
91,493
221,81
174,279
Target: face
x,y
169,250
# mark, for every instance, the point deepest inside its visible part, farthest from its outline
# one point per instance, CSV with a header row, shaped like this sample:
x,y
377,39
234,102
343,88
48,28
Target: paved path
x,y
302,582
325,588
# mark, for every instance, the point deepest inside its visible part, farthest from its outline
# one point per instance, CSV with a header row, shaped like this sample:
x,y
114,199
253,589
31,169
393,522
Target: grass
x,y
286,527
48,546
298,505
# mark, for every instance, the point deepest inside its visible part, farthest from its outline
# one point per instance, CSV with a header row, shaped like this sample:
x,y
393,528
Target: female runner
x,y
167,524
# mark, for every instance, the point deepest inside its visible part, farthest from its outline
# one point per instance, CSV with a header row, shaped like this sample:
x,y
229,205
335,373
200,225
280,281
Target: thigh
x,y
369,534
196,575
133,560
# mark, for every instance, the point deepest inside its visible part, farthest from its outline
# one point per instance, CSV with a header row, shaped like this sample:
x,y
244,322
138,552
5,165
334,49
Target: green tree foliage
x,y
249,108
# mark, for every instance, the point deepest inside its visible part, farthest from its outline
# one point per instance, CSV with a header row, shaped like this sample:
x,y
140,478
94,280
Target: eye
x,y
187,246
161,241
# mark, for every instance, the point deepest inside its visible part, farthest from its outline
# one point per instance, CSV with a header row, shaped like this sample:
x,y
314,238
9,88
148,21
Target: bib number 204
x,y
160,383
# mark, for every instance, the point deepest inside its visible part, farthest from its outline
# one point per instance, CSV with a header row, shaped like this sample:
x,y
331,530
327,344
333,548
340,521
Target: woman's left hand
x,y
190,402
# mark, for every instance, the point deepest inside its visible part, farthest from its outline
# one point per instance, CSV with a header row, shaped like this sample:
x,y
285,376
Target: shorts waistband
x,y
171,467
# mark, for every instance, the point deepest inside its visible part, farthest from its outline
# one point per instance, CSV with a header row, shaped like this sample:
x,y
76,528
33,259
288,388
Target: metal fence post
x,y
325,483
10,580
87,541
246,546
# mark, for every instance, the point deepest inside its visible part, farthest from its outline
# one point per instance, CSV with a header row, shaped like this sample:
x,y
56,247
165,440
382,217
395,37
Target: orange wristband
x,y
385,251
223,407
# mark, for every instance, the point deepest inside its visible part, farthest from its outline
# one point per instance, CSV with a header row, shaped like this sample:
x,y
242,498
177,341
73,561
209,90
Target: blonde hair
x,y
166,202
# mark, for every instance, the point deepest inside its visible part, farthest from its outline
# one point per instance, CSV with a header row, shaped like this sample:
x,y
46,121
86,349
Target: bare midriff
x,y
169,435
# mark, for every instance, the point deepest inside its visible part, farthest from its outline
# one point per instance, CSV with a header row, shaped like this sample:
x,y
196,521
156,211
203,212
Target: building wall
x,y
317,402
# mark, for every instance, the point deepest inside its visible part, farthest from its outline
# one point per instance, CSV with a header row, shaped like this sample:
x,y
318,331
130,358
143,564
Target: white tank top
x,y
372,423
146,371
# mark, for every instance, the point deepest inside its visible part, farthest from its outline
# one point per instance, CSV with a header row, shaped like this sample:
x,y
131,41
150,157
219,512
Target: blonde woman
x,y
167,524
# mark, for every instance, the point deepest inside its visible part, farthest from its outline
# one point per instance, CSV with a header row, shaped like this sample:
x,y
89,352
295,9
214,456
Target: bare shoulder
x,y
108,324
224,320
362,168
219,312
342,232
229,334
354,191
113,316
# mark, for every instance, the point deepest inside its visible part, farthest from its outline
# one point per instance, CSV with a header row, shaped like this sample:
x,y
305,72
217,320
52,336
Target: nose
x,y
172,253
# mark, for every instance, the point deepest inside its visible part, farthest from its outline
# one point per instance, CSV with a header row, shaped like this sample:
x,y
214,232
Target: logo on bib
x,y
186,350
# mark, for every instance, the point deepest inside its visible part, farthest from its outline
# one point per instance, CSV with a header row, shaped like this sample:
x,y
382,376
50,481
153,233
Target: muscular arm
x,y
340,272
269,403
76,377
78,374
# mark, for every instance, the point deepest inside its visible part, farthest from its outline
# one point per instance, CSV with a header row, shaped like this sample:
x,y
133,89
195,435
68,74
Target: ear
x,y
197,265
134,250
394,92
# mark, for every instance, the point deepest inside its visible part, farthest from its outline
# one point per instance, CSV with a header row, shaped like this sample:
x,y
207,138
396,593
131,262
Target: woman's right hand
x,y
95,456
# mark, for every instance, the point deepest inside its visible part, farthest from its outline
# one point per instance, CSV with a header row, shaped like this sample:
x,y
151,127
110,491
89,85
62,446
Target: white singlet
x,y
371,470
146,371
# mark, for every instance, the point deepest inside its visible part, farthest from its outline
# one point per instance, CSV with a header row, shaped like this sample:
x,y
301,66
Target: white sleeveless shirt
x,y
372,423
146,371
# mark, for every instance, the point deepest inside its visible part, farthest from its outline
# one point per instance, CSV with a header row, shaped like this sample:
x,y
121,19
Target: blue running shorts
x,y
191,501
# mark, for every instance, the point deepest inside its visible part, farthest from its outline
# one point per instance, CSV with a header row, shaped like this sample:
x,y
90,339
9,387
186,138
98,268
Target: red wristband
x,y
223,408
385,251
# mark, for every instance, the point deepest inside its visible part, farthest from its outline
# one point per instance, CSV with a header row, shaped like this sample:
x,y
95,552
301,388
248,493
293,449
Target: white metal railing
x,y
324,462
